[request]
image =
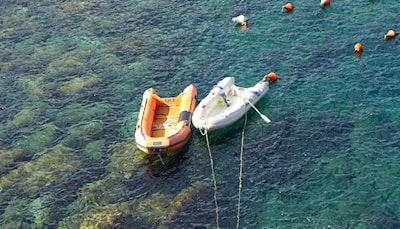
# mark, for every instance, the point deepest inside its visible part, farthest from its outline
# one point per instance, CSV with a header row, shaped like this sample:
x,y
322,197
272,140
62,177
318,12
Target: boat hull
x,y
164,124
226,103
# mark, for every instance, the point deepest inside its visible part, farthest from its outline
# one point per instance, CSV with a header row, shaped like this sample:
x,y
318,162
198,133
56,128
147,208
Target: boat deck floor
x,y
165,120
221,107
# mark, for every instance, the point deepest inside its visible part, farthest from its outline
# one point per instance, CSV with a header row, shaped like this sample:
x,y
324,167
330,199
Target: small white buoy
x,y
241,19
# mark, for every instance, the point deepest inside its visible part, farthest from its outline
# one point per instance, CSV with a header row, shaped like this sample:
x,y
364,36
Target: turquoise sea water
x,y
72,74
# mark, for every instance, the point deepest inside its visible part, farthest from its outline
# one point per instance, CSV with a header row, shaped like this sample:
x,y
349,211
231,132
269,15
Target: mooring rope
x,y
214,180
241,172
159,156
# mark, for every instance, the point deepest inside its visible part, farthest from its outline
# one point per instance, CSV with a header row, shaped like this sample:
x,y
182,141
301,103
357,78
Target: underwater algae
x,y
75,113
8,158
88,62
38,173
82,133
23,117
155,210
71,71
108,202
29,213
78,83
37,140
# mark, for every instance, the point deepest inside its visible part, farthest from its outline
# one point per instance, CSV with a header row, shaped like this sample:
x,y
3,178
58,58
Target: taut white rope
x,y
241,172
214,180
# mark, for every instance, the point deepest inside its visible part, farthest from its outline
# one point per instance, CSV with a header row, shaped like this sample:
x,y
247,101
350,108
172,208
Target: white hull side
x,y
213,113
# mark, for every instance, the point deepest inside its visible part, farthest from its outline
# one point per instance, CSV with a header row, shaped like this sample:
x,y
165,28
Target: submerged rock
x,y
55,164
81,134
23,117
73,5
32,85
111,188
38,140
8,157
29,112
48,51
185,197
15,214
125,159
40,210
79,83
71,63
153,207
103,192
102,197
67,65
99,203
105,62
17,16
75,113
94,149
96,218
101,219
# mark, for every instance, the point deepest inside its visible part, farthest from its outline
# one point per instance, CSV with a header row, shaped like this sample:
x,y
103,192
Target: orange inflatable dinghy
x,y
164,124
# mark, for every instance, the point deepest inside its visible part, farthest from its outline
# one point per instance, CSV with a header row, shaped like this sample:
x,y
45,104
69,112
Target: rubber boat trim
x,y
162,148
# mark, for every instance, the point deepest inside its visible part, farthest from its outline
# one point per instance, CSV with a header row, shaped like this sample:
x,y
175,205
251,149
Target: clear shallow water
x,y
72,77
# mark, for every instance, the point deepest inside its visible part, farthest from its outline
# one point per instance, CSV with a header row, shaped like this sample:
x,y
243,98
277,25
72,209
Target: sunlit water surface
x,y
72,77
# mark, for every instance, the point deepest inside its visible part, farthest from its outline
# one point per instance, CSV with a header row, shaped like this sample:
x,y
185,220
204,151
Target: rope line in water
x,y
159,156
241,172
214,180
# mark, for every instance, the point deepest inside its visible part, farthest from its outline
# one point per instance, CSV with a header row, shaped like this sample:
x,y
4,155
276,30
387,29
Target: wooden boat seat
x,y
165,120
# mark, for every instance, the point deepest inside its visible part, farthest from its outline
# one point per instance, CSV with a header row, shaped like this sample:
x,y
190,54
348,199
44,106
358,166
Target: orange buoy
x,y
245,27
271,77
324,3
358,47
390,34
288,7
